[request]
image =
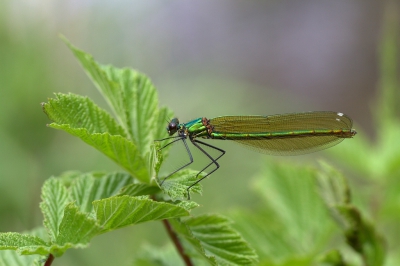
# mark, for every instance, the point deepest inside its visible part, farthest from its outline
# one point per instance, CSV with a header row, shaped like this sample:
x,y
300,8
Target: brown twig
x,y
177,242
49,260
175,239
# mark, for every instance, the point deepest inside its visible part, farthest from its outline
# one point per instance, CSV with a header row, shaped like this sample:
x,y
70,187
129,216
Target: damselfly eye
x,y
173,126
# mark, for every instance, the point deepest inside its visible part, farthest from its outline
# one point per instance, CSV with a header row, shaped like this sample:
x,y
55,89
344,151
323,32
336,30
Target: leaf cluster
x,y
78,206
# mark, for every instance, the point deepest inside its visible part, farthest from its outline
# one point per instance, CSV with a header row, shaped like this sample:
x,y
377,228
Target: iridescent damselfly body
x,y
284,134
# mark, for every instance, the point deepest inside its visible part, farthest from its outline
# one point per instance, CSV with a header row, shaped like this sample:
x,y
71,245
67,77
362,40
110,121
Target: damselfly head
x,y
173,126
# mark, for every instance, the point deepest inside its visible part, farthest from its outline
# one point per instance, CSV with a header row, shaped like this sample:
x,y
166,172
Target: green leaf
x,y
164,116
333,258
154,160
176,185
76,230
25,244
109,89
94,186
80,112
187,204
220,240
138,190
68,177
133,98
289,222
40,232
71,226
130,94
290,193
360,234
215,240
193,246
117,212
10,257
139,99
82,118
118,148
54,199
152,255
334,191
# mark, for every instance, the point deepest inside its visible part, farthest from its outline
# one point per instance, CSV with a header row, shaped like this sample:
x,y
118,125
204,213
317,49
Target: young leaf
x,y
187,204
290,193
164,115
76,230
80,112
94,186
193,246
333,258
130,94
68,177
118,148
71,226
120,211
10,257
221,240
155,256
23,243
133,99
138,190
213,238
110,90
289,224
139,99
360,234
82,118
54,199
176,185
154,160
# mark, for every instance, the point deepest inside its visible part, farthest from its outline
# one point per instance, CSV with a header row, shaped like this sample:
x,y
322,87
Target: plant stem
x,y
49,260
177,242
175,239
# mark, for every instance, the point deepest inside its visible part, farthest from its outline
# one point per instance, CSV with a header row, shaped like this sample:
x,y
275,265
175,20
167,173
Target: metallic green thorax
x,y
195,128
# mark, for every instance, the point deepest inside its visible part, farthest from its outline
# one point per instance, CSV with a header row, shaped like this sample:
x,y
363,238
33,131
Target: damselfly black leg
x,y
213,161
177,138
188,152
196,144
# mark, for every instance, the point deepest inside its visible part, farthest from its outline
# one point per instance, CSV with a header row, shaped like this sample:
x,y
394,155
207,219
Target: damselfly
x,y
285,134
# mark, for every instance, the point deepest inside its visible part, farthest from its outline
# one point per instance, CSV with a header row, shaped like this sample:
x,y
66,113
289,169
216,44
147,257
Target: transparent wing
x,y
293,145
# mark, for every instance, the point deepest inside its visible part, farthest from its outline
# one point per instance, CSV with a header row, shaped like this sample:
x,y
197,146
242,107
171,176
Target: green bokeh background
x,y
206,58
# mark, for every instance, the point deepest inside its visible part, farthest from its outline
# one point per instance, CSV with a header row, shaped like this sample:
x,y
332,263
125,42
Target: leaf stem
x,y
49,260
177,242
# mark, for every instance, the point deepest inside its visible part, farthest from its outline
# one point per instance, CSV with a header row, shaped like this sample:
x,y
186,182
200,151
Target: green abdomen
x,y
340,133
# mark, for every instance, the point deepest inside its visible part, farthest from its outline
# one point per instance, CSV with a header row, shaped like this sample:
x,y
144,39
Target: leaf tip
x,y
64,39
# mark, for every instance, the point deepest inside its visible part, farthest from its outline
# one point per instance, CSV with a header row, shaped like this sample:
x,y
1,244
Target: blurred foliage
x,y
287,225
291,221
